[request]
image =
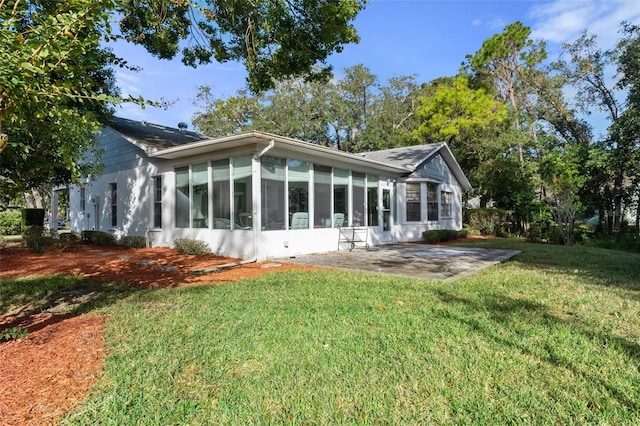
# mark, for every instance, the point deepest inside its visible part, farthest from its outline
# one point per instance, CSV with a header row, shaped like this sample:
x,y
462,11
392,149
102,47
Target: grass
x,y
548,338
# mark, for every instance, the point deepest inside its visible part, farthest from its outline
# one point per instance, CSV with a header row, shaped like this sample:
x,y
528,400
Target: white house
x,y
256,195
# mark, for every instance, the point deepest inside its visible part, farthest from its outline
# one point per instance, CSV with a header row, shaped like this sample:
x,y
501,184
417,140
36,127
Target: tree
x,y
561,170
503,60
626,130
467,119
606,165
275,39
55,85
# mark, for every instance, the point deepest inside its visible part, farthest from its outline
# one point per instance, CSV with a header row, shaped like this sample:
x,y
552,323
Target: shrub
x,y
98,238
34,238
442,235
188,246
134,241
69,237
487,221
32,217
10,222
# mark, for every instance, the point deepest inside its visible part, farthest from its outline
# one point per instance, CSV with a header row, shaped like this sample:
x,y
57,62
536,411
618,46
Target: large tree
x,y
55,89
275,39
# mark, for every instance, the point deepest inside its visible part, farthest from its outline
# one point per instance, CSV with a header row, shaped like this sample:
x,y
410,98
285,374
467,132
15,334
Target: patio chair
x,y
338,220
300,220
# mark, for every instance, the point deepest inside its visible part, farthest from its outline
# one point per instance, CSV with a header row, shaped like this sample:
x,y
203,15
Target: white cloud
x,y
476,22
563,20
128,83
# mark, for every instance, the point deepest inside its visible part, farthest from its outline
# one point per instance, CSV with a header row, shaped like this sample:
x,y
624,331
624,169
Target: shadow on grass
x,y
63,295
502,312
600,266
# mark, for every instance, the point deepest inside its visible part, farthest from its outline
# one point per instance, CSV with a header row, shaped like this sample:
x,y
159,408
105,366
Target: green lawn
x,y
550,337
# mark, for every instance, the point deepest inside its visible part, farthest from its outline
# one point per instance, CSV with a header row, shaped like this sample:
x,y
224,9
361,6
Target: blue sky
x,y
425,38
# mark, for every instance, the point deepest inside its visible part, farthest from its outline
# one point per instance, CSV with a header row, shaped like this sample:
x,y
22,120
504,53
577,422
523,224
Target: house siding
x,y
127,165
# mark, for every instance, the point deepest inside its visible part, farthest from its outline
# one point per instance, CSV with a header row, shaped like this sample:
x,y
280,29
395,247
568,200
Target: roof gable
x,y
413,157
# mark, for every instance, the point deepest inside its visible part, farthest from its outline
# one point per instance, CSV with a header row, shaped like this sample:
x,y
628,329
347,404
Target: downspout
x,y
257,156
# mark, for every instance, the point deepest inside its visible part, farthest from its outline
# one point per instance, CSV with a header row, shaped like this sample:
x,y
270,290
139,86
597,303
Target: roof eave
x,y
263,138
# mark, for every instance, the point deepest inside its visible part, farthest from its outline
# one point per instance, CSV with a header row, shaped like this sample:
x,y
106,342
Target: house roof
x,y
412,157
170,143
263,140
151,137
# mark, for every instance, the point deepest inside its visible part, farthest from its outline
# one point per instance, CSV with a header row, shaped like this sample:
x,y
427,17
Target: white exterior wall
x,y
133,172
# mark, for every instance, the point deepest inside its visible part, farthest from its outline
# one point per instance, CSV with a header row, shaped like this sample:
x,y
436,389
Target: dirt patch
x,y
49,372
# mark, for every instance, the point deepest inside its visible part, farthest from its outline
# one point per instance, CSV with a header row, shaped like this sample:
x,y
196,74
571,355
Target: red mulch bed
x,y
46,374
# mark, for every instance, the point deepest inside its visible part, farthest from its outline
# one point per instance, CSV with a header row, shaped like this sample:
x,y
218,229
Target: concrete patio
x,y
412,260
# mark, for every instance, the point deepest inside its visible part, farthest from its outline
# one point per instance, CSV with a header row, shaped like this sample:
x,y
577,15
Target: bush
x,y
11,222
32,217
134,241
442,235
98,238
188,246
69,237
487,221
34,239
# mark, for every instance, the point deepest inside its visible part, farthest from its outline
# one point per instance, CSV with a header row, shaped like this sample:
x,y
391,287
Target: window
x,y
200,195
221,194
83,199
322,196
413,202
358,208
372,200
157,202
273,190
340,197
445,203
182,197
298,181
242,200
113,197
432,201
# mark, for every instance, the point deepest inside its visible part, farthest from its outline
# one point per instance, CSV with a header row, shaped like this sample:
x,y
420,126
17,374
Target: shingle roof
x,y
409,157
153,136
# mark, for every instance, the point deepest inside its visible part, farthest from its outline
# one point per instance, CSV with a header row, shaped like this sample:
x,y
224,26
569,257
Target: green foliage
x,y
134,241
274,40
354,114
99,238
32,217
189,246
69,237
56,86
488,221
10,222
35,239
442,235
455,112
13,333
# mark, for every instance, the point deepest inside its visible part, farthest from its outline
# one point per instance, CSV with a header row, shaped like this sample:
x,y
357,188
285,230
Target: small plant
x,y
134,241
98,238
188,246
13,333
442,235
